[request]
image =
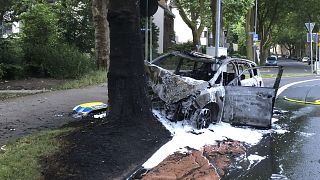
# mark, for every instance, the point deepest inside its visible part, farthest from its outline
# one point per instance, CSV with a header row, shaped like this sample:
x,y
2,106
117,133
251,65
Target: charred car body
x,y
206,90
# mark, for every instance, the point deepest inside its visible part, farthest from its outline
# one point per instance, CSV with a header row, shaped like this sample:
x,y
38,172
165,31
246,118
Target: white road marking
x,y
283,88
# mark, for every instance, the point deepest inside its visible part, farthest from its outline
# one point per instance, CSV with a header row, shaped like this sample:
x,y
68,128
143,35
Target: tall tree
x,y
76,21
268,16
249,27
196,14
126,77
231,14
101,26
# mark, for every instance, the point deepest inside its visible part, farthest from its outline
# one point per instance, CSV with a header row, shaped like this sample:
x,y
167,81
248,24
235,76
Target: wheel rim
x,y
204,119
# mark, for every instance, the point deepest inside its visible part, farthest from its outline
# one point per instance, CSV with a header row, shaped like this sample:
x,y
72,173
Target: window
x,y
170,63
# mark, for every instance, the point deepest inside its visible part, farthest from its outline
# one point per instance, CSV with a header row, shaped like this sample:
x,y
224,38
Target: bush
x,y
188,46
1,70
40,32
64,61
11,56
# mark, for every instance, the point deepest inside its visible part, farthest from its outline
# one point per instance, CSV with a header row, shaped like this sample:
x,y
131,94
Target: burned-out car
x,y
207,90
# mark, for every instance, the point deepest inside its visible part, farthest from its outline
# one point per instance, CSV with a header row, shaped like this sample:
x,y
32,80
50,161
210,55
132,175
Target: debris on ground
x,y
97,109
208,163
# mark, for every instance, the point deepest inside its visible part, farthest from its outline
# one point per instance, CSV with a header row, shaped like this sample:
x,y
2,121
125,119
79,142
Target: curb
x,y
23,91
316,102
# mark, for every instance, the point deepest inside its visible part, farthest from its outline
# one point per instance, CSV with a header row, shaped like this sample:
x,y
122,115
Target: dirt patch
x,y
31,84
210,163
105,150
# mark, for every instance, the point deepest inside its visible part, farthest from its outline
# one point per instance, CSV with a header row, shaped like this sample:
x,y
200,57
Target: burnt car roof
x,y
193,56
199,57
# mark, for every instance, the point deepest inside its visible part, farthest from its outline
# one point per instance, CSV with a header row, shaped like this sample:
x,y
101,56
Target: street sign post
x,y
316,62
255,37
310,27
313,39
218,25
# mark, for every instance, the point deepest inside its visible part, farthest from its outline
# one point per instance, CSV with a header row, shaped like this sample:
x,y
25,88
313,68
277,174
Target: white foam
x,y
254,159
185,135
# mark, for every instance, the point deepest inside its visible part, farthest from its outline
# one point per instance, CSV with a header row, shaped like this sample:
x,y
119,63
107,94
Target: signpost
x,y
316,62
218,25
318,49
310,27
255,37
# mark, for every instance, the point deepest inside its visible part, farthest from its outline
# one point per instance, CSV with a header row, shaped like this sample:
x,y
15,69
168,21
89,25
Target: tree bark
x,y
249,28
102,39
196,34
126,77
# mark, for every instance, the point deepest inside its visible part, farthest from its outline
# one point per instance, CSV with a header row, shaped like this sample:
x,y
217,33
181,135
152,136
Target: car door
x,y
252,106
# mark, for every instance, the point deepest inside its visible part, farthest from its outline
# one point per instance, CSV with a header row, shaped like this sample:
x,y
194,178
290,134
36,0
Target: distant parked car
x,y
272,61
305,59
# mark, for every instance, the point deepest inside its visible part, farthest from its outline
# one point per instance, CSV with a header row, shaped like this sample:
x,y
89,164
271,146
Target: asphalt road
x,y
294,154
292,67
29,114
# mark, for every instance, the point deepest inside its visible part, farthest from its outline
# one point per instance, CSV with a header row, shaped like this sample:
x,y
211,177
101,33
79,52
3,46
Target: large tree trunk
x,y
249,28
126,77
196,38
101,26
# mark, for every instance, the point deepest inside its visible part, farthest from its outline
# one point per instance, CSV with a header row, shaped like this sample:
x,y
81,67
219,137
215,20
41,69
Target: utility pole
x,y
311,53
146,33
316,62
318,47
218,24
255,30
310,27
150,46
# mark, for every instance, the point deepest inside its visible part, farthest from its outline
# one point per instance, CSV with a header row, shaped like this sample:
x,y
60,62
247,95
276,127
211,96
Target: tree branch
x,y
184,16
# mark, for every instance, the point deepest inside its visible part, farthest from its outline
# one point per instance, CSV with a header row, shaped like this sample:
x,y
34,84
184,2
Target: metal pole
x,y
319,56
311,54
316,63
150,39
218,11
146,33
256,18
255,30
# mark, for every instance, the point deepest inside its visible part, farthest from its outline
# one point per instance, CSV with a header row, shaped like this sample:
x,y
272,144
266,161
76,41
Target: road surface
x,y
25,115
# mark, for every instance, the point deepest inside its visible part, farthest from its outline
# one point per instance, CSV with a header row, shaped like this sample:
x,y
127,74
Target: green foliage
x,y
45,55
40,25
40,33
198,11
234,10
11,55
188,46
2,71
75,20
64,61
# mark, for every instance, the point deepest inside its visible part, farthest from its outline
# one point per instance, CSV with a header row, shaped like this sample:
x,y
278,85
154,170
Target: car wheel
x,y
207,116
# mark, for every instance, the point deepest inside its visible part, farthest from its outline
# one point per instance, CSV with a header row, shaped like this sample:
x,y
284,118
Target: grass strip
x,y
286,75
92,78
21,159
4,96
